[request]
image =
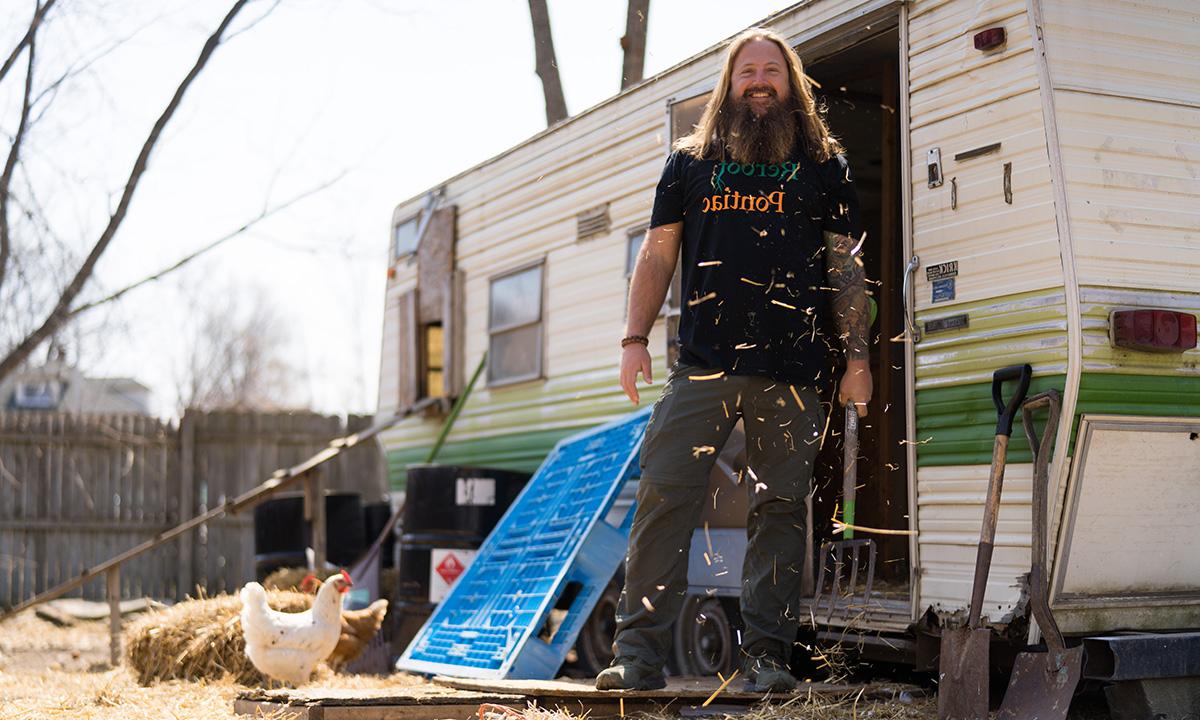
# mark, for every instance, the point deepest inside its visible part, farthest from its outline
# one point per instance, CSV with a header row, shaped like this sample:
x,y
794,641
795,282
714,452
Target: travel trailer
x,y
1029,173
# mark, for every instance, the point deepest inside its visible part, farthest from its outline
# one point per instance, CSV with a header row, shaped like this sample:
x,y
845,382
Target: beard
x,y
769,138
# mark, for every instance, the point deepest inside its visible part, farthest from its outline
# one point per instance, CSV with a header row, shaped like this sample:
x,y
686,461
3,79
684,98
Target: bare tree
x,y
547,64
634,42
237,355
64,300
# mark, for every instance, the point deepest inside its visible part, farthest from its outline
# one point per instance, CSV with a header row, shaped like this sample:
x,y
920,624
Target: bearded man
x,y
761,202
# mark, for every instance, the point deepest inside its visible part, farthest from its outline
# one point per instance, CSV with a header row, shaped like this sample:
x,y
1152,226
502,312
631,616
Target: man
x,y
762,205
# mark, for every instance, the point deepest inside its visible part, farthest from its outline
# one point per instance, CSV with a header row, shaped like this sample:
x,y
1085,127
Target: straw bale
x,y
199,640
290,578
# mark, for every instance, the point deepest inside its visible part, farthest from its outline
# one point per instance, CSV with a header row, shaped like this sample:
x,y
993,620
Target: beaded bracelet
x,y
631,339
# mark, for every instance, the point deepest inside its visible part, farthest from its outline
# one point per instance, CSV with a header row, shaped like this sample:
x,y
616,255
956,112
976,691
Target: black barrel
x,y
281,534
376,516
446,507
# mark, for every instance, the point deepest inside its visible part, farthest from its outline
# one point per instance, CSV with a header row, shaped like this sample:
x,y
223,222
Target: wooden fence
x,y
78,489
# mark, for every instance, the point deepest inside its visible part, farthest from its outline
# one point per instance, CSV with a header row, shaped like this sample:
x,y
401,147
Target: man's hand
x,y
635,358
856,386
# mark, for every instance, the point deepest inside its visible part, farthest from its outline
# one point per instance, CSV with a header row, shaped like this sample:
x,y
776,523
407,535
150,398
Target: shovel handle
x,y
1006,412
987,533
991,509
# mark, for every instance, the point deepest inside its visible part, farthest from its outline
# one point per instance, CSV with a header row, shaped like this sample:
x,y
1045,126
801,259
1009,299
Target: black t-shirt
x,y
754,260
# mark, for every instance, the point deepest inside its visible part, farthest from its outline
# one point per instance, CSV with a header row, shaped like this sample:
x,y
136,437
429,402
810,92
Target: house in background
x,y
58,387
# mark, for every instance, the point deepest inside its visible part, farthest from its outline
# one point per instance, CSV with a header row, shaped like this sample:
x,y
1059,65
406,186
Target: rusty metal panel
x,y
435,266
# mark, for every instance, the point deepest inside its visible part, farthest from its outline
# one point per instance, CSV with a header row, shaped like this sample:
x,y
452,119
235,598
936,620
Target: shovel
x,y
1042,684
963,663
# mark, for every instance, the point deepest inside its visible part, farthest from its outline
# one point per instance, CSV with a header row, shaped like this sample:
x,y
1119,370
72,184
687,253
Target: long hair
x,y
705,140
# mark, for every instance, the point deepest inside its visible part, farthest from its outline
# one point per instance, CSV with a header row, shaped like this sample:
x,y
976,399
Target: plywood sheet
x,y
1132,521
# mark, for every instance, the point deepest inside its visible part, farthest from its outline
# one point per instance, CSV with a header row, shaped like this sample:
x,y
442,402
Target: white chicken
x,y
288,646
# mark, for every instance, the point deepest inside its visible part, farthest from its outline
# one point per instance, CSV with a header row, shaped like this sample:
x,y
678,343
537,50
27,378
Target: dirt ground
x,y
52,672
59,673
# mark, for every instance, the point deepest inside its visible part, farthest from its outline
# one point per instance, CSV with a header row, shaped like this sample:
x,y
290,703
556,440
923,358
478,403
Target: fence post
x,y
187,498
314,512
113,581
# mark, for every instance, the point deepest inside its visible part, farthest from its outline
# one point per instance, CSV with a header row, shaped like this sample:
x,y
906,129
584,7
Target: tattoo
x,y
844,270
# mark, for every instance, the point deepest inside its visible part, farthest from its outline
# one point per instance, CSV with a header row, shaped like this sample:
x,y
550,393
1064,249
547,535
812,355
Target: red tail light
x,y
989,39
1153,330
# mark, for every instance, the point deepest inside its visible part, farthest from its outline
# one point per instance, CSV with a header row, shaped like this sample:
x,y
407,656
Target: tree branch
x,y
547,66
10,165
266,213
634,42
61,310
38,15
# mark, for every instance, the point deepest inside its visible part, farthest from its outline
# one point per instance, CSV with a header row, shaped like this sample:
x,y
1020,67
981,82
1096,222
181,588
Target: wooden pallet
x,y
461,698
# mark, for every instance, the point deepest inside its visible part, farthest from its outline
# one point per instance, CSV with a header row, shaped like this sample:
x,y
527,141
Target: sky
x,y
383,98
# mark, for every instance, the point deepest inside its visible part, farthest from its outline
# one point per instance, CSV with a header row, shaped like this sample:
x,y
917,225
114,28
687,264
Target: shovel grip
x,y
1005,412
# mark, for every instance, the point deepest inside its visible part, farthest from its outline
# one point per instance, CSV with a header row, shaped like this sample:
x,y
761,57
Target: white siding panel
x,y
963,99
949,515
1133,187
1119,47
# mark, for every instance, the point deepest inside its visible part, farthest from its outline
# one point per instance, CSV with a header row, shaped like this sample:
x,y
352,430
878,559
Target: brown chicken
x,y
359,627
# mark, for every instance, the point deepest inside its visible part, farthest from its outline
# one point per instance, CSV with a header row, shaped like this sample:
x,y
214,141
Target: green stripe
x,y
956,425
519,451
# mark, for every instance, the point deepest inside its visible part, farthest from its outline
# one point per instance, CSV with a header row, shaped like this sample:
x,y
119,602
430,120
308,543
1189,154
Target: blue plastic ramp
x,y
553,547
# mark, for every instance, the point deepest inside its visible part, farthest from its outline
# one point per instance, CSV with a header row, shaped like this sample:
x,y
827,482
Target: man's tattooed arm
x,y
844,270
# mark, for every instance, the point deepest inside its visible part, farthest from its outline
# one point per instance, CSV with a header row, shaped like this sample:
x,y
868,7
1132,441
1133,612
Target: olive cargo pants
x,y
688,426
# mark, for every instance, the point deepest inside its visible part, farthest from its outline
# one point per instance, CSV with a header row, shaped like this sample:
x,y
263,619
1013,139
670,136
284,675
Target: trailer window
x,y
685,114
433,353
633,245
404,237
515,326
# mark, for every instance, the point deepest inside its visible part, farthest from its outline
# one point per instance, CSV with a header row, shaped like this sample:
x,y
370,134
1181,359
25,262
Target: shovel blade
x,y
1041,686
963,674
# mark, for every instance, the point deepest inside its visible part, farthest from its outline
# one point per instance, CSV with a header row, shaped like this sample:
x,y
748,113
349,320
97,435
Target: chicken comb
x,y
347,576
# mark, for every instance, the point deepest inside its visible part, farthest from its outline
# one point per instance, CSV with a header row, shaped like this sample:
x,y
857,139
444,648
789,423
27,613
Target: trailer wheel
x,y
703,640
593,647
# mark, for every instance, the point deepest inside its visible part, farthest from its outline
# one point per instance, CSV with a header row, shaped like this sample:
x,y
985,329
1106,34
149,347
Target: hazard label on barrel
x,y
445,567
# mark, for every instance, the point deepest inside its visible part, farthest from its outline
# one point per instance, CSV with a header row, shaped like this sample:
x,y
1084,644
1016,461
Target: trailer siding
x,y
1126,80
950,502
1010,283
